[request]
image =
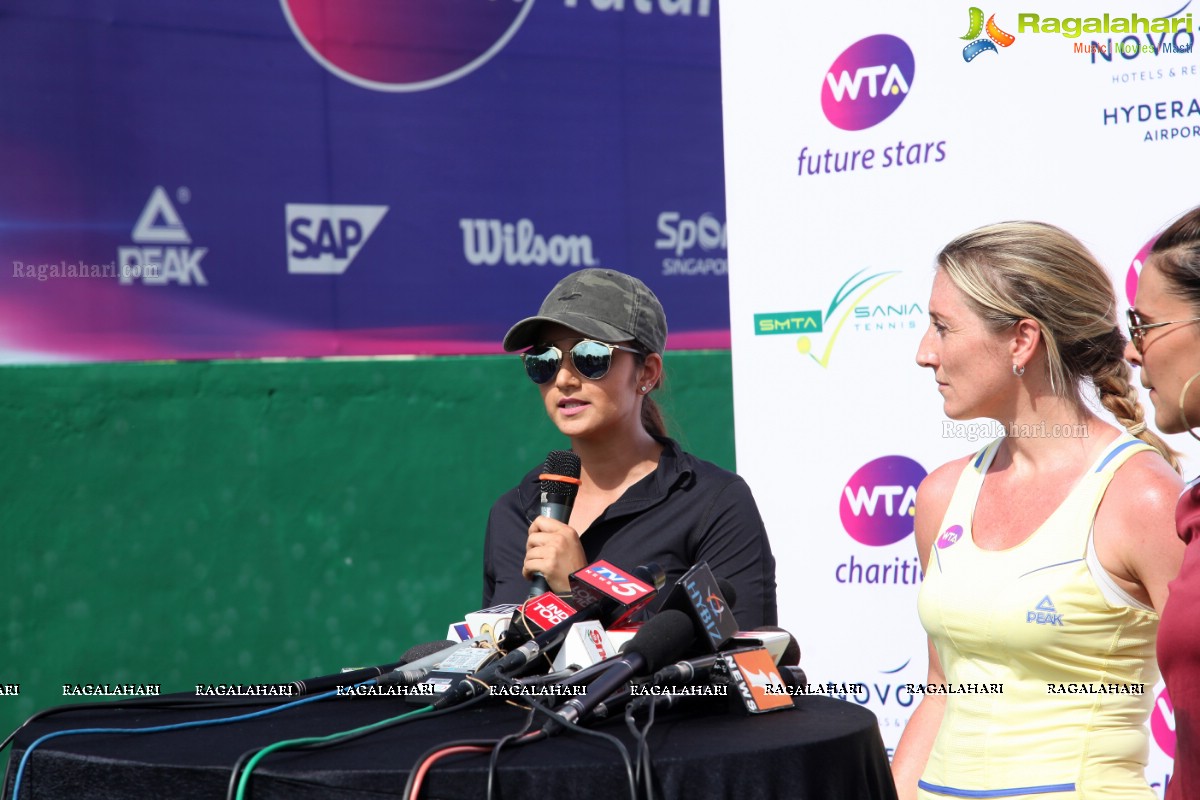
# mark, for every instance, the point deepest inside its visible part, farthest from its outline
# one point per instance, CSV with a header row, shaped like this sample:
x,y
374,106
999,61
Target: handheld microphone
x,y
661,639
560,484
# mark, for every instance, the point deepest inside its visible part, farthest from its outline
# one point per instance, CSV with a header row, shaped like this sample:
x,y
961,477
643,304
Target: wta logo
x,y
1135,269
1162,723
879,500
867,82
404,47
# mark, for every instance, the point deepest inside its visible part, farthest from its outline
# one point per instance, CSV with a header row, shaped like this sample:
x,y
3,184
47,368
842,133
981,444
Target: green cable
x,y
261,754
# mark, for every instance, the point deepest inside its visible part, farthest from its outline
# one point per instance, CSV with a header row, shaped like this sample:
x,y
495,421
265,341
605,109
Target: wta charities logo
x,y
995,36
1162,723
879,501
867,82
404,47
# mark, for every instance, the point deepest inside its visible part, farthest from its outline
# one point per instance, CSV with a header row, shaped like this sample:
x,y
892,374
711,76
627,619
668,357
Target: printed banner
x,y
859,139
349,177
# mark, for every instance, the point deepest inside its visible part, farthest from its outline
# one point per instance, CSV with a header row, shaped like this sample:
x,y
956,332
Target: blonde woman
x,y
1047,553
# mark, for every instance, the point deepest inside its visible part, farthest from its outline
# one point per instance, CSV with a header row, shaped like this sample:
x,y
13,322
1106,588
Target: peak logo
x,y
878,502
163,256
995,36
867,82
325,239
488,242
404,47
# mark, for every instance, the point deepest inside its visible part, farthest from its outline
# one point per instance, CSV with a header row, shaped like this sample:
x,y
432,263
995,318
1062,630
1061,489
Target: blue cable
x,y
162,728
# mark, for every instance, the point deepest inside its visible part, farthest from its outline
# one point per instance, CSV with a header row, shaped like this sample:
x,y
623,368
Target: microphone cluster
x,y
562,652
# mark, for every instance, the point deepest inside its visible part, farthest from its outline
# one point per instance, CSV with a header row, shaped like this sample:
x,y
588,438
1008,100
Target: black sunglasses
x,y
592,360
1137,328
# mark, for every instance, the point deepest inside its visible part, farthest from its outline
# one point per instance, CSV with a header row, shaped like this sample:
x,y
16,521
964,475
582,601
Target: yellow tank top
x,y
1048,683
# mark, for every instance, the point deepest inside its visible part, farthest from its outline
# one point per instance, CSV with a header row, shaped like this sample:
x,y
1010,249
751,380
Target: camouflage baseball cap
x,y
601,304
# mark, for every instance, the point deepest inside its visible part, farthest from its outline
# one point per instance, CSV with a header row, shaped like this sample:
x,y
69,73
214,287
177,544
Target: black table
x,y
824,749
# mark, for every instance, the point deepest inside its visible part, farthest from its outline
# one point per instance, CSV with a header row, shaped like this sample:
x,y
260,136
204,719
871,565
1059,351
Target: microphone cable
x,y
203,723
575,726
237,787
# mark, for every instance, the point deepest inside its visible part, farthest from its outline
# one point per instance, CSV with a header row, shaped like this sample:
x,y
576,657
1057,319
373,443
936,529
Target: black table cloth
x,y
824,749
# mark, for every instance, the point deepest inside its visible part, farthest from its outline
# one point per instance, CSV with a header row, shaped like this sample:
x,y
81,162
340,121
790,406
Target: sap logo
x,y
154,265
491,241
893,82
681,234
1044,614
860,500
325,239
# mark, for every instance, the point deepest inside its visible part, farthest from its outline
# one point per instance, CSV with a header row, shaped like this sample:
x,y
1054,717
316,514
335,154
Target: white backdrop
x,y
831,266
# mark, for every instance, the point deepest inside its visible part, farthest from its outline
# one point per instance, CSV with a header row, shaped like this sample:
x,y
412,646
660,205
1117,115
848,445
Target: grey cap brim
x,y
524,333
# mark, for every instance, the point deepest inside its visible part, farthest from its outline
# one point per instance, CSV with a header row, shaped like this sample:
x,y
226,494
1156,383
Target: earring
x,y
1018,371
645,389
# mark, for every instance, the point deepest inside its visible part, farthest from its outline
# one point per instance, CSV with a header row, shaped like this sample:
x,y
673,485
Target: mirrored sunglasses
x,y
592,360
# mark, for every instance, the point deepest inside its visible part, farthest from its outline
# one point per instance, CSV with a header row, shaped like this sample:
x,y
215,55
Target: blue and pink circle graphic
x,y
867,82
404,47
879,500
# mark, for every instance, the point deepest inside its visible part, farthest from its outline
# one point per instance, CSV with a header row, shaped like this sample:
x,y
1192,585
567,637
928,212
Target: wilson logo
x,y
488,242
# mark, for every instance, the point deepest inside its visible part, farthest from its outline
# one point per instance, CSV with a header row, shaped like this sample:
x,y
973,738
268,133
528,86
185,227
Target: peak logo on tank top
x,y
1044,613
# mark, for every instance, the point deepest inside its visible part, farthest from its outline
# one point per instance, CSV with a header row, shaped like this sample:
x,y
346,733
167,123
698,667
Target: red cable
x,y
449,751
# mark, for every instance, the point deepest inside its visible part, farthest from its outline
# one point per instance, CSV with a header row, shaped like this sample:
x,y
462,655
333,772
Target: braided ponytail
x,y
1120,397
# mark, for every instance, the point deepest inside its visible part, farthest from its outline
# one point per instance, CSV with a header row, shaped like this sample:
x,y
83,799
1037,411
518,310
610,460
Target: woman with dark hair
x,y
1164,329
594,349
1047,553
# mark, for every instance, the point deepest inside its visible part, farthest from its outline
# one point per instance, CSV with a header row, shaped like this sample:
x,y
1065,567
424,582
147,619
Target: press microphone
x,y
662,638
689,670
325,682
702,596
560,484
609,594
417,670
603,592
